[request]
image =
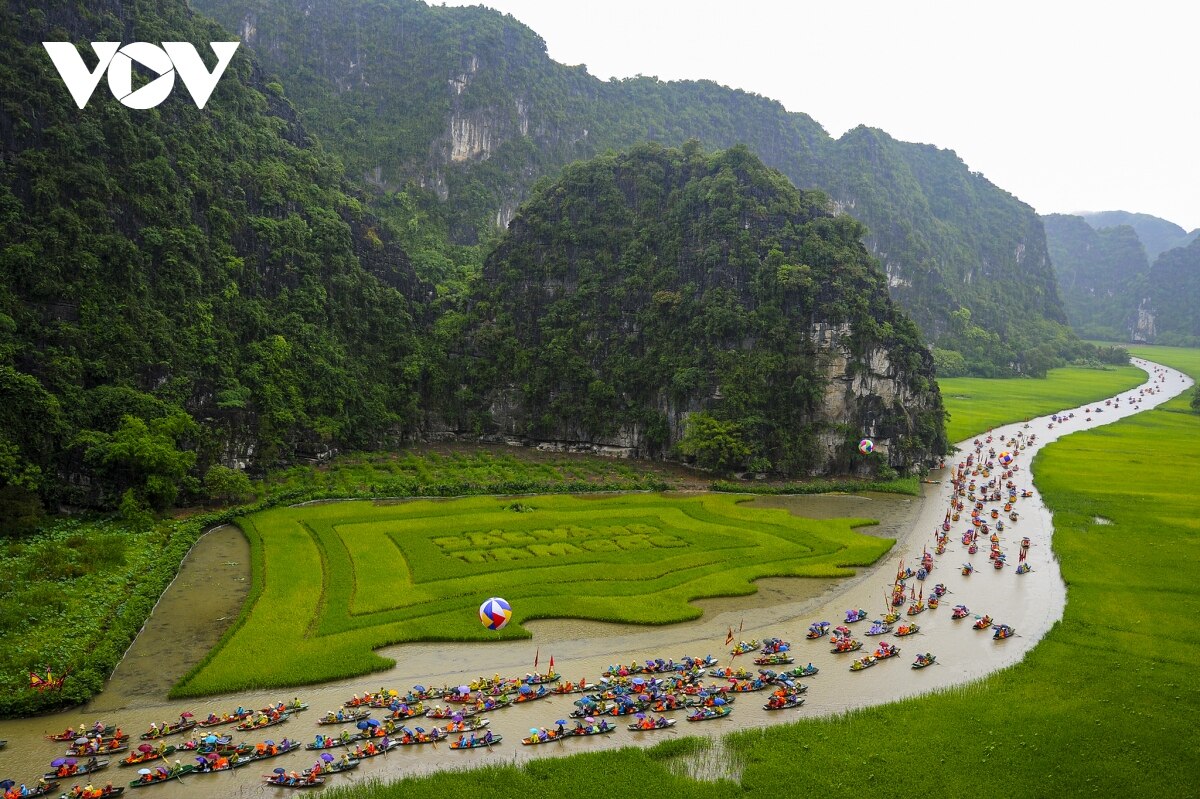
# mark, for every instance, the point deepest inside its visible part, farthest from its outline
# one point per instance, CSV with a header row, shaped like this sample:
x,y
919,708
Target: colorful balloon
x,y
495,613
866,446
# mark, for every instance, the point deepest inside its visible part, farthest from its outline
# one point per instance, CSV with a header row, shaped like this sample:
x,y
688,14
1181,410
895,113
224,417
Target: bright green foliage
x,y
640,287
975,404
74,596
228,485
714,444
333,582
177,261
1117,672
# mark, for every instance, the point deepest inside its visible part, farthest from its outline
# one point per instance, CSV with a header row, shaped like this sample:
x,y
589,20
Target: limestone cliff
x,y
640,289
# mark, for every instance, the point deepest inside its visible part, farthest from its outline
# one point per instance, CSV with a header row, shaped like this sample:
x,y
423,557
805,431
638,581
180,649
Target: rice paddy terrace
x,y
335,581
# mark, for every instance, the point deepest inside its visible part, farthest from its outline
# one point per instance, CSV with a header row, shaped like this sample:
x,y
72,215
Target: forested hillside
x,y
453,114
181,287
1113,291
1101,275
668,300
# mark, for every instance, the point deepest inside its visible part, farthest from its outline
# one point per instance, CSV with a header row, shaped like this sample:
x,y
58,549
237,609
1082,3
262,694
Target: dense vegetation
x,y
1116,671
1101,275
1174,294
332,582
454,113
671,300
1112,292
179,286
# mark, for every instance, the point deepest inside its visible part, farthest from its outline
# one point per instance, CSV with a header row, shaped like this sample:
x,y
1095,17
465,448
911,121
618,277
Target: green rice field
x,y
334,581
1105,705
976,404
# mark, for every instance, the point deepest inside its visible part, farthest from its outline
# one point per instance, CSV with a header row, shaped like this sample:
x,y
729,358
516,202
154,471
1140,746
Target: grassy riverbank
x,y
1103,706
976,404
334,581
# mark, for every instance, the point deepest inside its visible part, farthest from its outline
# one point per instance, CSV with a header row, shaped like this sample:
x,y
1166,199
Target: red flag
x,y
536,655
552,664
36,681
729,637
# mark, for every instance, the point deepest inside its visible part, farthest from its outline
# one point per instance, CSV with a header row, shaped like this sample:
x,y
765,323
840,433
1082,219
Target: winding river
x,y
213,580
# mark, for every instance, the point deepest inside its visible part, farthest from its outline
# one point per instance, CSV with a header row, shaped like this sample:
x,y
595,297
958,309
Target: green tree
x,y
714,444
223,483
144,456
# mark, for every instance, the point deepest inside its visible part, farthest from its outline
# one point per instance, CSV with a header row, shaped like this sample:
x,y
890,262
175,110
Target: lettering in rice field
x,y
482,546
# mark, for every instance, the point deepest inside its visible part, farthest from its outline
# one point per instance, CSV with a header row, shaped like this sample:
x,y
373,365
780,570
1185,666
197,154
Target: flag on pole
x,y
536,655
729,637
552,664
741,624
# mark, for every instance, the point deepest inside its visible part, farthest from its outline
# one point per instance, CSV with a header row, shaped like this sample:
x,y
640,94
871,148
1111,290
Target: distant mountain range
x,y
1126,276
453,114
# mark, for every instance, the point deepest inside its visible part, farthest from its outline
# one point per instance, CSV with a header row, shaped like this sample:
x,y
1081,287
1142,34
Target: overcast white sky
x,y
1071,106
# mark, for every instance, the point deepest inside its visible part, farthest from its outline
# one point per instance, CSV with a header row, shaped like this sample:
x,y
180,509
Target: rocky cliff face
x,y
641,289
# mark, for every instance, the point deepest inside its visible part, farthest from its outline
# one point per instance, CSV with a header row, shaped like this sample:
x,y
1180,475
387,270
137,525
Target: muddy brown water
x,y
214,578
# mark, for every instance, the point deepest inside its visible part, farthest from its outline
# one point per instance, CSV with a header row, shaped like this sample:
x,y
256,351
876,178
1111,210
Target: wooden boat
x,y
846,646
583,686
248,726
159,777
420,739
801,671
84,751
667,725
922,661
347,718
960,612
78,772
1003,631
285,707
732,674
889,652
225,718
448,712
907,629
879,628
709,713
467,725
776,659
864,663
853,616
744,647
792,701
282,781
407,711
71,735
171,729
137,758
817,630
982,623
531,697
478,743
51,787
333,743
283,748
916,608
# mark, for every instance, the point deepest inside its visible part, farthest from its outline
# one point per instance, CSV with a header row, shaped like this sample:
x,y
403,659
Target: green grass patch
x,y
1104,705
332,582
976,404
